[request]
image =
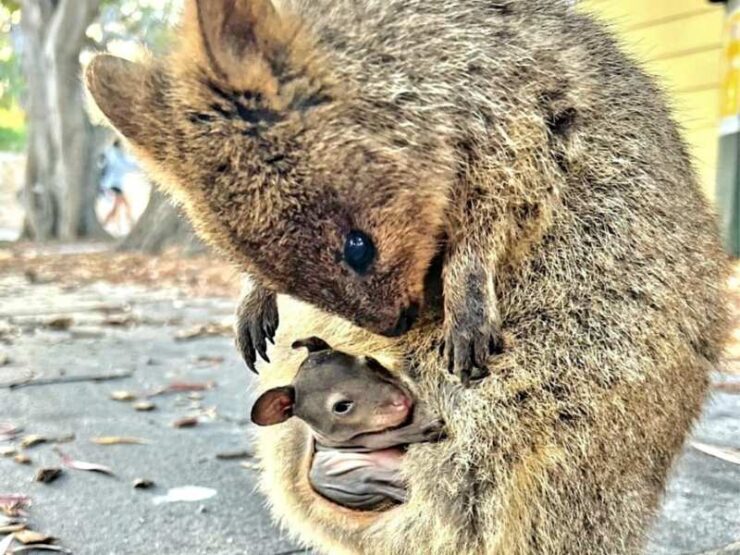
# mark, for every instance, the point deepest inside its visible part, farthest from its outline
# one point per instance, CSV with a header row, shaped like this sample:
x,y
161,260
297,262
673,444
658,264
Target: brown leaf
x,y
210,329
124,396
187,422
144,406
8,431
32,440
47,475
116,440
27,537
234,455
69,462
724,453
10,528
212,360
183,387
120,320
142,483
41,547
59,323
22,458
14,504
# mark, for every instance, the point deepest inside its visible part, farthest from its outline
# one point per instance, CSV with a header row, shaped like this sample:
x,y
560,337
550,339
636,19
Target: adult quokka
x,y
336,149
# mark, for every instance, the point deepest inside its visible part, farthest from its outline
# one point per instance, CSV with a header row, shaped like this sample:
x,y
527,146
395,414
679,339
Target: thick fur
x,y
518,133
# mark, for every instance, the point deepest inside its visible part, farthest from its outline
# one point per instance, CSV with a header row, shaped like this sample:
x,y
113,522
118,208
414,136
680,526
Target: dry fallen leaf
x,y
59,323
183,387
22,458
47,475
40,547
69,462
187,422
249,465
29,536
8,431
724,453
123,396
144,406
210,359
120,320
10,528
32,440
205,330
143,483
234,455
116,440
13,504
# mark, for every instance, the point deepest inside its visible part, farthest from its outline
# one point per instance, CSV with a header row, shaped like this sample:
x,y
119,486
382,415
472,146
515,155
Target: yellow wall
x,y
680,42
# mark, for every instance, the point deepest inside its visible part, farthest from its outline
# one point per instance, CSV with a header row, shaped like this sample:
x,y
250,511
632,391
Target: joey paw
x,y
256,323
467,350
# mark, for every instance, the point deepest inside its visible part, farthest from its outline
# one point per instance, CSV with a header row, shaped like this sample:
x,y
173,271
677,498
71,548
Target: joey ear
x,y
118,87
313,344
234,29
274,406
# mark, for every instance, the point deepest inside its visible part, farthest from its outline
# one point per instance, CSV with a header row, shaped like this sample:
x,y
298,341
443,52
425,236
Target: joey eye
x,y
359,251
342,407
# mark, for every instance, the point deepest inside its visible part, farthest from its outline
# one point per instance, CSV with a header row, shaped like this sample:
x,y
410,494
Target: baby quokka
x,y
360,415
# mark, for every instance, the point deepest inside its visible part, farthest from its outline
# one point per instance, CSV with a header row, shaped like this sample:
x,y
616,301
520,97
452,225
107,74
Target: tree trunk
x,y
61,170
162,226
39,200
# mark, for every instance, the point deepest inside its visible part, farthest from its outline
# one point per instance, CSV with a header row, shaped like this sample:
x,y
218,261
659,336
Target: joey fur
x,y
517,134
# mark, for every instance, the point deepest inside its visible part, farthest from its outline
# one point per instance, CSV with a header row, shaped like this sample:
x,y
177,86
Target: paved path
x,y
97,515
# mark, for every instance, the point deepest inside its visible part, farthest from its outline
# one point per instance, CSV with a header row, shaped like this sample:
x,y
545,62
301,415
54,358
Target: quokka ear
x,y
313,344
274,406
235,31
119,87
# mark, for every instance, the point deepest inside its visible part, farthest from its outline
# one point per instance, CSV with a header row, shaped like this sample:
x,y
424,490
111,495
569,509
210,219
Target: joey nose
x,y
405,321
400,402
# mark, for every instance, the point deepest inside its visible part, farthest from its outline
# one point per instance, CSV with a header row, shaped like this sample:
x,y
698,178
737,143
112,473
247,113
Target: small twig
x,y
67,379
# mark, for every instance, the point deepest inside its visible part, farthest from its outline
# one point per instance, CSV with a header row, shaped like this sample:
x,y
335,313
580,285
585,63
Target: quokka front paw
x,y
467,347
257,320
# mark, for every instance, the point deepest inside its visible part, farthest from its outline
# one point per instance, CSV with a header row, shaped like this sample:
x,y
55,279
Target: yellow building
x,y
679,41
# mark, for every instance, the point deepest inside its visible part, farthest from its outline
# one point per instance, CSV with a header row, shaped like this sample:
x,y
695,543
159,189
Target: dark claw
x,y
467,354
257,321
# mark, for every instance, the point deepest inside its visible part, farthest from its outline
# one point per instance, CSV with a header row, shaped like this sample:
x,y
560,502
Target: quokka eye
x,y
342,407
359,251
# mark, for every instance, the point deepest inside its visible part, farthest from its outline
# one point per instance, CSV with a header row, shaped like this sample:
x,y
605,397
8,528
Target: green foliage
x,y
120,21
10,5
12,139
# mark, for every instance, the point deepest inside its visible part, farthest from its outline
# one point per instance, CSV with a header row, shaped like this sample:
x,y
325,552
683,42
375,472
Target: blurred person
x,y
116,165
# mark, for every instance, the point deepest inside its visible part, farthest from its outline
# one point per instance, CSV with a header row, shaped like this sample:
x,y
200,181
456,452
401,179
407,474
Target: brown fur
x,y
519,133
